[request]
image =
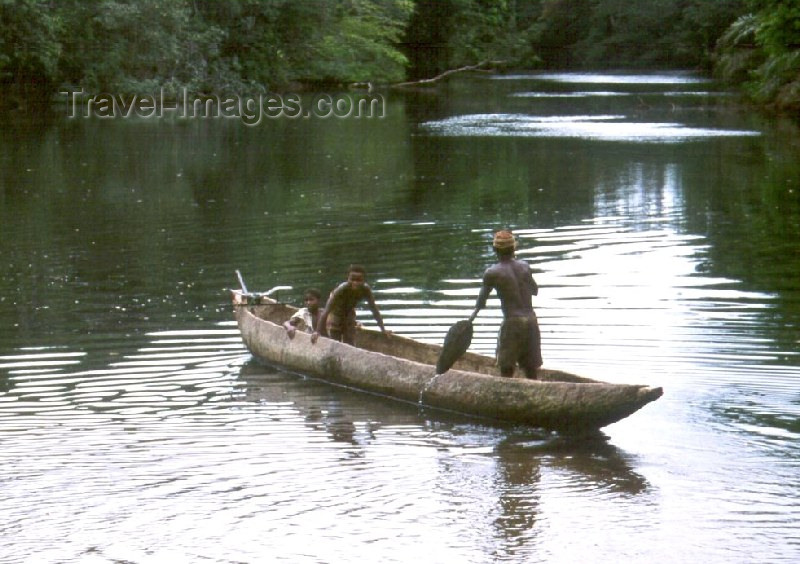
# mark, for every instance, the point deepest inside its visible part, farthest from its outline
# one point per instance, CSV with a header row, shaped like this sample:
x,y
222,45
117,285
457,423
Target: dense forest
x,y
247,46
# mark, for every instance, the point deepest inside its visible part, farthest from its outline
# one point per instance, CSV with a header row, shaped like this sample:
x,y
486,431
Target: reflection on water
x,y
178,370
670,79
658,110
601,93
505,466
668,257
606,128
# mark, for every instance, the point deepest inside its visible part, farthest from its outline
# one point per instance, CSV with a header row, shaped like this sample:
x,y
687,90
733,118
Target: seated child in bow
x,y
305,319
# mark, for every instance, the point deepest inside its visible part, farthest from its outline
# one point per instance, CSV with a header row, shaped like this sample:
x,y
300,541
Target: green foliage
x,y
238,46
262,40
762,52
360,44
143,42
483,31
447,34
29,50
777,80
737,51
701,24
779,25
562,25
620,33
206,46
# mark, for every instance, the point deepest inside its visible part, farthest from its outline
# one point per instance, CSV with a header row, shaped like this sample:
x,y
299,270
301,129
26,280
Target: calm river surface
x,y
662,222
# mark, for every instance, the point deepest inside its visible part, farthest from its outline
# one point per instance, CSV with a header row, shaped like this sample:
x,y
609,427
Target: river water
x,y
662,221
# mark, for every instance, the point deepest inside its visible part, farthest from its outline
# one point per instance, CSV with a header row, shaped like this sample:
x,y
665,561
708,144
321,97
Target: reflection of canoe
x,y
402,368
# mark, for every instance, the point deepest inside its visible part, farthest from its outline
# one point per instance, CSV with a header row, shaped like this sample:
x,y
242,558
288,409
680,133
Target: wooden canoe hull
x,y
404,369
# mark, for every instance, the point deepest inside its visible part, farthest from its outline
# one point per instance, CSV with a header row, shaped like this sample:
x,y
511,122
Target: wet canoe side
x,y
575,404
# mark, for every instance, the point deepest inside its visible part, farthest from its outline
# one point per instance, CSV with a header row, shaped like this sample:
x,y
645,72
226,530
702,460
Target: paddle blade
x,y
456,343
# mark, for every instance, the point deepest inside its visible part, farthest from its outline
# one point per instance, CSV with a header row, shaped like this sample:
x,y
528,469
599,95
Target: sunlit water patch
x,y
177,370
611,93
594,78
585,94
599,128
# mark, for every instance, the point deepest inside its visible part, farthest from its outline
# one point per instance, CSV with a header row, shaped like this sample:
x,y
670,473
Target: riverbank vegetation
x,y
246,46
760,51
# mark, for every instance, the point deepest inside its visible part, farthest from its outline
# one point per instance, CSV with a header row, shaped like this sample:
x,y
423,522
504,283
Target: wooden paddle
x,y
456,343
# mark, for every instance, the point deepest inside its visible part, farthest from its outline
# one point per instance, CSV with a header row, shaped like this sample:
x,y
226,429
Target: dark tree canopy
x,y
238,46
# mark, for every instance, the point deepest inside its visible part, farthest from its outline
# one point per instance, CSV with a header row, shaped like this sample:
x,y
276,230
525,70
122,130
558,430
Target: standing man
x,y
519,341
341,308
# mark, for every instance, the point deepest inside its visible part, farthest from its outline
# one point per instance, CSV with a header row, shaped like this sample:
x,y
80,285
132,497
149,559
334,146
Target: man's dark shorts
x,y
520,342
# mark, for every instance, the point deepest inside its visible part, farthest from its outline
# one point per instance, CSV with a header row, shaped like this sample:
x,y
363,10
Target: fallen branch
x,y
437,78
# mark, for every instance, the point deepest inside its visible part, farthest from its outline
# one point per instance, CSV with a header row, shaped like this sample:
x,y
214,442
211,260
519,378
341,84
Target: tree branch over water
x,y
426,81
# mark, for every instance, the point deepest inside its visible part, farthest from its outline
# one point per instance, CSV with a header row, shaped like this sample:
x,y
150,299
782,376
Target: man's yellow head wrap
x,y
504,240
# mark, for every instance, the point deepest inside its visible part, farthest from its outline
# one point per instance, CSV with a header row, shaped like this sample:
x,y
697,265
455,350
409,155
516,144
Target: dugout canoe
x,y
404,369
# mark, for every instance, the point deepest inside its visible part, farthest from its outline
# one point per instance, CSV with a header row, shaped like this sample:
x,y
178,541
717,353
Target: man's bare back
x,y
515,286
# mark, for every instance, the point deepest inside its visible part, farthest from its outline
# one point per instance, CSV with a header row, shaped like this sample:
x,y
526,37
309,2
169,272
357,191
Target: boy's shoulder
x,y
340,288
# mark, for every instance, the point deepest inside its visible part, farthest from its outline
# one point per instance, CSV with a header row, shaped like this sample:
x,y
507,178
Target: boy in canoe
x,y
519,341
341,308
305,319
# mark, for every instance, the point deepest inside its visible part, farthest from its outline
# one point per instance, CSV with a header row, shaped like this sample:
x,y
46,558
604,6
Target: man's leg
x,y
532,356
349,335
507,349
530,371
348,329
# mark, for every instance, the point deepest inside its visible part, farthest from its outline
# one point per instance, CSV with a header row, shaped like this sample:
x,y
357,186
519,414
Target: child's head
x,y
356,275
311,297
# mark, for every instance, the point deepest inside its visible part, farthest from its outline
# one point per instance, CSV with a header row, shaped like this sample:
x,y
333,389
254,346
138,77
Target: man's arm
x,y
373,307
291,325
486,289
